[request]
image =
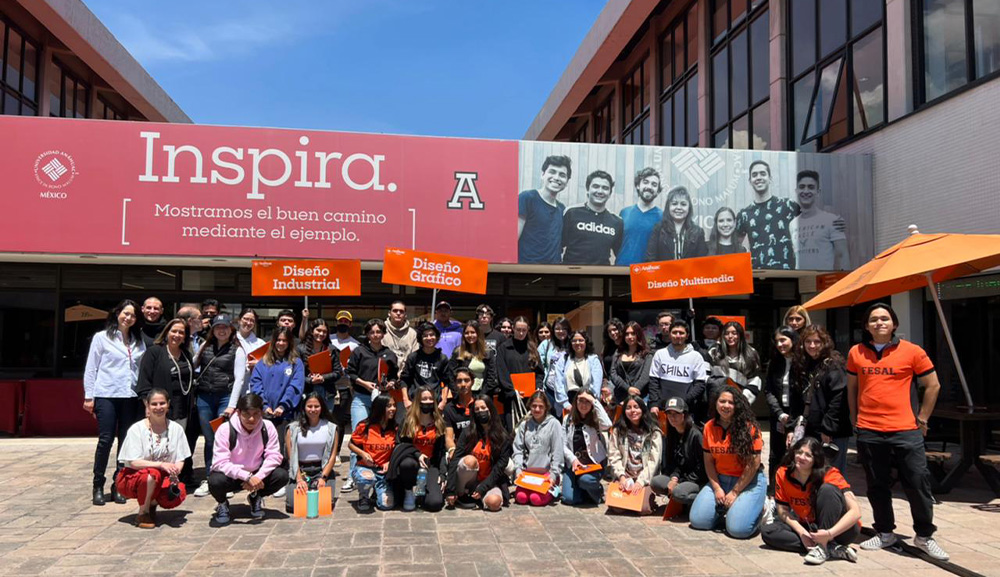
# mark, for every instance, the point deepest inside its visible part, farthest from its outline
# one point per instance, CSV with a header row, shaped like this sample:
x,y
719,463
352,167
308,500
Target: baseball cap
x,y
345,315
676,404
443,305
222,319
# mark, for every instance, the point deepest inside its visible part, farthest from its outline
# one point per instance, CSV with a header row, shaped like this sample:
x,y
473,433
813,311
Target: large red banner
x,y
86,186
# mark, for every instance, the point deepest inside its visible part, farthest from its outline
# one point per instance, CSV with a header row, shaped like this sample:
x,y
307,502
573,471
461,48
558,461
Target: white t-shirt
x,y
141,443
349,342
813,239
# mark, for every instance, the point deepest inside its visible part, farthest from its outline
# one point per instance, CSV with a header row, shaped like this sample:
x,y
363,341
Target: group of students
x,y
530,417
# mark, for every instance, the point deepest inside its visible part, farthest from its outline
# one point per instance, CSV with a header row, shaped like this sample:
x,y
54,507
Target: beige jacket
x,y
652,450
402,341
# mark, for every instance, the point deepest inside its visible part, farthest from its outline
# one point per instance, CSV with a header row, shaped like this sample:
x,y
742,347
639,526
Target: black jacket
x,y
662,239
489,387
329,379
217,367
683,457
498,474
772,388
828,412
492,339
513,358
635,376
363,364
157,370
423,370
149,331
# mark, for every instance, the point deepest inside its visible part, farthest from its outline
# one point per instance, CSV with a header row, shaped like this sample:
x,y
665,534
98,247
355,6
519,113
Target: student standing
x,y
635,450
880,375
400,337
576,370
517,355
477,473
244,364
318,341
425,368
585,445
109,382
217,362
450,330
458,412
551,349
279,379
778,392
735,360
614,333
491,336
366,378
631,364
678,371
538,448
475,356
820,391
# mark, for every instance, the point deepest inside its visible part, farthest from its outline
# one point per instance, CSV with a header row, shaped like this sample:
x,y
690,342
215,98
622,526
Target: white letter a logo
x,y
465,188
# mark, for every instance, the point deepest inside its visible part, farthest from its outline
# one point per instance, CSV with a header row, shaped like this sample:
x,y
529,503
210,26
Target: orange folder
x,y
621,499
258,353
498,404
320,363
345,355
302,502
524,384
537,482
216,423
662,417
587,469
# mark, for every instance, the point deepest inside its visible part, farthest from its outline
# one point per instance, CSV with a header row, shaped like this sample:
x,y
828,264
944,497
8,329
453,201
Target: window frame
x,y
755,10
64,73
17,92
918,46
636,121
669,89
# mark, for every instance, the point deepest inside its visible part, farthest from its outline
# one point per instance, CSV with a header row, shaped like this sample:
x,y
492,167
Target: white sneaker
x,y
843,552
230,495
348,485
769,507
879,541
279,493
202,490
929,545
816,555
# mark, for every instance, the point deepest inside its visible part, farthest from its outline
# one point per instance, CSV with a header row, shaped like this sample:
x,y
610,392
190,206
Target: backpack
x,y
232,436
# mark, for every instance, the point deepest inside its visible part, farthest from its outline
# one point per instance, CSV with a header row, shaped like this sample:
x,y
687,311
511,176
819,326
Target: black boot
x,y
98,496
116,495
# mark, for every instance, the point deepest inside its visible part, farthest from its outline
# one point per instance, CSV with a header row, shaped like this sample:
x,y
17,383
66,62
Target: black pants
x,y
830,507
904,450
407,479
777,453
219,484
114,417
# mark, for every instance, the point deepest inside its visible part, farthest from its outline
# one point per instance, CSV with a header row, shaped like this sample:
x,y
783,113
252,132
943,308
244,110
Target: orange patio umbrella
x,y
919,261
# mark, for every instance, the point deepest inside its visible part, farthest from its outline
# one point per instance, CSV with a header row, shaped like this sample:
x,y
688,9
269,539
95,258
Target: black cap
x,y
442,305
222,319
676,404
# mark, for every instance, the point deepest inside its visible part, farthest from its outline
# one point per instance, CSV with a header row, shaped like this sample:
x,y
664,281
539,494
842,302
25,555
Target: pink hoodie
x,y
249,457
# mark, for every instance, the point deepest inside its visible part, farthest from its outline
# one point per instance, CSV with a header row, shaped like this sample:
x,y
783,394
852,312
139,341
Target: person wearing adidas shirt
x,y
817,512
590,233
678,371
880,374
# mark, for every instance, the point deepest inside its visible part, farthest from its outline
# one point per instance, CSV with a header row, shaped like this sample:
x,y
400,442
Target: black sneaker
x,y
222,516
256,505
98,497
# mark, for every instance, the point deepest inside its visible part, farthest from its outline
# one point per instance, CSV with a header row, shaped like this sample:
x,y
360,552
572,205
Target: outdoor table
x,y
972,432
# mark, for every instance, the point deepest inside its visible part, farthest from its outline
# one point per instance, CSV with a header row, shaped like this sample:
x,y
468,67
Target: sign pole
x,y
434,298
307,302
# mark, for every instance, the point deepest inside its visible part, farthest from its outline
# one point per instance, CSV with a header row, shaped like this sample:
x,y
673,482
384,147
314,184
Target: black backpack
x,y
232,436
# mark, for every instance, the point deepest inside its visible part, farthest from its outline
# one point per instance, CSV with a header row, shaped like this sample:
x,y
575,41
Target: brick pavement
x,y
49,527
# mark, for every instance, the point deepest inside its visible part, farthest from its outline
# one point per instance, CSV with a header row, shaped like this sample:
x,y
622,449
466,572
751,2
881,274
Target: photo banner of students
x,y
596,204
710,276
326,278
435,271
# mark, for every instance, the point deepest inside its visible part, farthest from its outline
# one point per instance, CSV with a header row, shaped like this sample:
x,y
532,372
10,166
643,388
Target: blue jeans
x,y
742,518
841,461
361,406
210,407
576,490
366,479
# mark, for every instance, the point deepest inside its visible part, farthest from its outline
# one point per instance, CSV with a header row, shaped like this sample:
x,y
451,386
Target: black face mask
x,y
343,328
426,408
482,417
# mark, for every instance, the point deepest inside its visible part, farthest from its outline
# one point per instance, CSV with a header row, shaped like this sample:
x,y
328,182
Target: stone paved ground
x,y
48,527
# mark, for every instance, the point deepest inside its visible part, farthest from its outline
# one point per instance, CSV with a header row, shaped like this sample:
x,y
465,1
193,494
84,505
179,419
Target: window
x,y
604,121
679,77
960,42
19,58
741,72
837,63
68,95
635,106
108,111
580,134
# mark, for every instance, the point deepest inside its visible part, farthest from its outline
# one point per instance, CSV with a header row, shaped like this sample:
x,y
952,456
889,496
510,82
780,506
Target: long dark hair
x,y
647,422
534,361
588,347
609,344
786,331
743,427
324,412
819,469
591,419
641,345
309,341
111,324
213,342
561,344
673,436
748,361
493,431
804,366
380,405
291,355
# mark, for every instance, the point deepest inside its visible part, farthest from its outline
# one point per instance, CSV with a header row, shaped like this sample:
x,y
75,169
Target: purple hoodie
x,y
249,457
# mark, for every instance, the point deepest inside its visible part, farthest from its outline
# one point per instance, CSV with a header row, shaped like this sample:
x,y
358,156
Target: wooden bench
x,y
991,471
936,461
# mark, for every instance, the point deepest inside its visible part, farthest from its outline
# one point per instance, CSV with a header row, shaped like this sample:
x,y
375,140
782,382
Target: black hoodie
x,y
150,331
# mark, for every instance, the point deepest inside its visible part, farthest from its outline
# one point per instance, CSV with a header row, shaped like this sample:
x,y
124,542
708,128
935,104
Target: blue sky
x,y
474,68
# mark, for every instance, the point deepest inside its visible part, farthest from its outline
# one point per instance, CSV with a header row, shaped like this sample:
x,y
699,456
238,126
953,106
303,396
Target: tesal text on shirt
x,y
878,371
694,281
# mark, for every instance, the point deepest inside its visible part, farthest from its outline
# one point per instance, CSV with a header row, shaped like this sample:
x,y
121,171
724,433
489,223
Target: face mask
x,y
343,328
426,408
482,417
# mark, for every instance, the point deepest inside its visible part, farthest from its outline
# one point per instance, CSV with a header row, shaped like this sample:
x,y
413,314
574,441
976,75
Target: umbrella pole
x,y
951,343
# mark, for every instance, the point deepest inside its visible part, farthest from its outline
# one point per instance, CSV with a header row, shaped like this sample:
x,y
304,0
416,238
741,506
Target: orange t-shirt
x,y
885,384
716,440
789,492
424,440
482,452
376,443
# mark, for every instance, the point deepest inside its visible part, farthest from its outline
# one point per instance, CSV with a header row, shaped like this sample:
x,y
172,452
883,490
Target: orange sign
x,y
726,319
431,270
537,482
729,274
524,384
622,499
328,278
825,281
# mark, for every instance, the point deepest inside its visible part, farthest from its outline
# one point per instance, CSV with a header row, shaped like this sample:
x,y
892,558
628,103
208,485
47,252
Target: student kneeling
x,y
246,456
153,455
822,532
477,472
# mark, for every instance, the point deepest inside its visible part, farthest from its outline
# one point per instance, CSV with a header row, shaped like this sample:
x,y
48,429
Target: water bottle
x,y
421,488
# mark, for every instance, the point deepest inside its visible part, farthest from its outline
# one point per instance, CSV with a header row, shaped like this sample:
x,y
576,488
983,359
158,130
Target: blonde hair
x,y
797,310
411,423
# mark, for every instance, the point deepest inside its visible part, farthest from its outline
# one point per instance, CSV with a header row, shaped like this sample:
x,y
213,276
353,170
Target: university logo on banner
x,y
436,271
729,274
306,278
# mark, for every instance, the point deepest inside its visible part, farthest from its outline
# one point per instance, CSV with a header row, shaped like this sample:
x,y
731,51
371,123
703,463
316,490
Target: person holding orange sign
x,y
538,453
585,451
635,450
322,377
516,355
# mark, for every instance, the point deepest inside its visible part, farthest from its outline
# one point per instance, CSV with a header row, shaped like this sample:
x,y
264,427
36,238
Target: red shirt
x,y
424,440
376,443
482,452
789,492
716,440
885,384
